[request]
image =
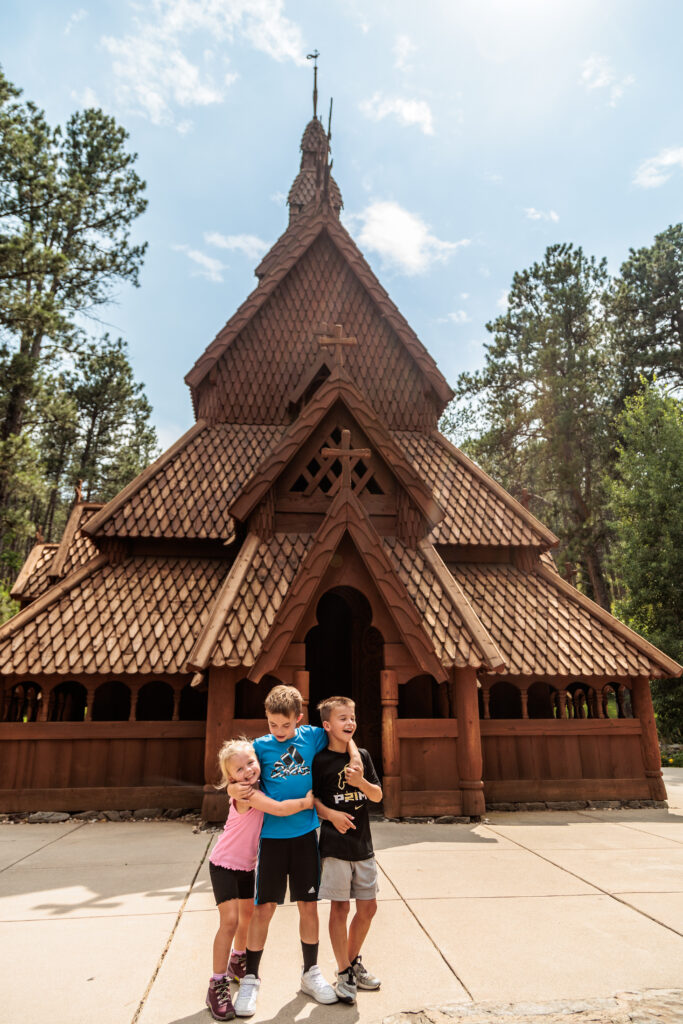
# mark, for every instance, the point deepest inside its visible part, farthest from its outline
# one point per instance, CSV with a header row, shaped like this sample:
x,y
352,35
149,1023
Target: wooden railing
x,y
101,765
562,759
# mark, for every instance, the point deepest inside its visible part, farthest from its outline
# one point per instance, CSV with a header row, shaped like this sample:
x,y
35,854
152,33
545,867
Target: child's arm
x,y
281,808
355,777
354,757
340,819
241,791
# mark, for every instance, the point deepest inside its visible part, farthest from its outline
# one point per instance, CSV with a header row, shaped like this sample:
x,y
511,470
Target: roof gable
x,y
316,273
336,388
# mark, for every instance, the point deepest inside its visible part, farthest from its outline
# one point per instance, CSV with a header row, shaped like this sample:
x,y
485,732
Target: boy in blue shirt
x,y
289,846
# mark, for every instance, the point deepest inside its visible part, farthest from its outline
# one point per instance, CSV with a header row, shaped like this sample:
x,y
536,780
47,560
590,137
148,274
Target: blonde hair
x,y
284,700
229,749
327,706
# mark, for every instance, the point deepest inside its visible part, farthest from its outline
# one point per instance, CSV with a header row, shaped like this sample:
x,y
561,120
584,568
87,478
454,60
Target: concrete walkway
x,y
113,921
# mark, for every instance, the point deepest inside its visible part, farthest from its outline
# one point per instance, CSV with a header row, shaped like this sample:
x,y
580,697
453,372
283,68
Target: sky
x,y
467,136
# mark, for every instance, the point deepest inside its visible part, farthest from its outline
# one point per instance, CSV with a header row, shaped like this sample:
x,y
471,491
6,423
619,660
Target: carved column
x,y
469,741
43,705
133,702
302,681
176,704
391,751
220,714
641,700
89,701
562,703
524,697
486,700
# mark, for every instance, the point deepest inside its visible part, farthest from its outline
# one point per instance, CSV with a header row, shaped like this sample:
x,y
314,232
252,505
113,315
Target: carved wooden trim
x,y
346,514
336,387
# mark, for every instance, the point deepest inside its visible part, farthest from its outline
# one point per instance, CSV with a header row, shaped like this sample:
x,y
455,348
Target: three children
x,y
288,852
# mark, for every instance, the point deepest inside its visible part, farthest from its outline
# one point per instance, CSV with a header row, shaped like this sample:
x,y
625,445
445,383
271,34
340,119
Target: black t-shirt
x,y
330,786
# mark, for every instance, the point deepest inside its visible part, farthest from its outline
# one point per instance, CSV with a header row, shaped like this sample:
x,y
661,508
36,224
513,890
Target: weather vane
x,y
314,57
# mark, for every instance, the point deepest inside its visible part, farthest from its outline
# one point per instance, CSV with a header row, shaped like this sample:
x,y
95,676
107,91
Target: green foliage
x,y
8,607
646,510
544,398
68,197
646,306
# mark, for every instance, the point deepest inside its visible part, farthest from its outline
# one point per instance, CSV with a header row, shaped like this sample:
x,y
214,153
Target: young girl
x,y
231,866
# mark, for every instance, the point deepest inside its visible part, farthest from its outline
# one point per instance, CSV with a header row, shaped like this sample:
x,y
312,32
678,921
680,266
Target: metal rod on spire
x,y
329,124
314,57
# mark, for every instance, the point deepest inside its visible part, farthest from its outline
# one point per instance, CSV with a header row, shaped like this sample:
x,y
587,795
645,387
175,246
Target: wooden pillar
x,y
597,692
641,700
486,700
302,681
391,751
134,693
562,703
89,701
220,715
176,704
469,742
43,704
524,697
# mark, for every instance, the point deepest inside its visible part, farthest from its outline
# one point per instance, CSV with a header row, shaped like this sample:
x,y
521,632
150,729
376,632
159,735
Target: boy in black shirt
x,y
348,861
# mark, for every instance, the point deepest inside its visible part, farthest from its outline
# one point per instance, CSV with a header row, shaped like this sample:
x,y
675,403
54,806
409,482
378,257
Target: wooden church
x,y
314,528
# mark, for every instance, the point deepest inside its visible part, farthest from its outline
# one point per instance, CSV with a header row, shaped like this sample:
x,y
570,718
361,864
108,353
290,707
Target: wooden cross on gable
x,y
334,340
345,454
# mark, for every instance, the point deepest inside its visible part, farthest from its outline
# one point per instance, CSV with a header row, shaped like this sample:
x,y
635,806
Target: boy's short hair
x,y
284,700
327,706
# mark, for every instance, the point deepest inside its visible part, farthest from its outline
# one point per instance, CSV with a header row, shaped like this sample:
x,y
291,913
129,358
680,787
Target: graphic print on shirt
x,y
291,763
347,796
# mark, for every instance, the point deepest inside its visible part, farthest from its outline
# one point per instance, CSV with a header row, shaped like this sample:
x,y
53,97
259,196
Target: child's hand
x,y
342,821
240,790
354,773
308,801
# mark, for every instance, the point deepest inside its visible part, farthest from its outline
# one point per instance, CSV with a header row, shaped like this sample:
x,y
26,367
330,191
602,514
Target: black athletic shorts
x,y
295,859
229,884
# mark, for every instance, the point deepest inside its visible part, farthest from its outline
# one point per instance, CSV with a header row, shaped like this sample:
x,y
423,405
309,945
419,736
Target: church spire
x,y
314,187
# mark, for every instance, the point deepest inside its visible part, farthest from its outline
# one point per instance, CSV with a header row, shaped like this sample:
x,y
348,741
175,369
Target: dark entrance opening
x,y
344,656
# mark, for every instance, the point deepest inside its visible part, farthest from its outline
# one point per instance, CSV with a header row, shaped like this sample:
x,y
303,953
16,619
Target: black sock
x,y
253,961
310,951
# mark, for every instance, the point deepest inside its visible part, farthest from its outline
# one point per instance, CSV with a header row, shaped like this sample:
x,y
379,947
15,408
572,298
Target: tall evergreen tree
x,y
646,508
544,394
68,198
646,306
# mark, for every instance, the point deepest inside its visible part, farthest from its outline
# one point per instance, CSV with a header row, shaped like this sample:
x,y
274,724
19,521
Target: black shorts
x,y
295,859
229,884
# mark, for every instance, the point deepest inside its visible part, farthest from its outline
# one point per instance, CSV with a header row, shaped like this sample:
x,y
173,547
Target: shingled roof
x,y
286,253
140,616
186,493
546,628
477,509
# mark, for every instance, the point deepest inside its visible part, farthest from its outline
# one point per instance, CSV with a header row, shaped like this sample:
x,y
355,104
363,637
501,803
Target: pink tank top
x,y
237,847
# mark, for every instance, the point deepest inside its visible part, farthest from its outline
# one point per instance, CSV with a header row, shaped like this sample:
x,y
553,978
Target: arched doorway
x,y
345,655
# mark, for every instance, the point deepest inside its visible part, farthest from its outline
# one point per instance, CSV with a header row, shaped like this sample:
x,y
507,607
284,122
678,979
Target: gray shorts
x,y
348,879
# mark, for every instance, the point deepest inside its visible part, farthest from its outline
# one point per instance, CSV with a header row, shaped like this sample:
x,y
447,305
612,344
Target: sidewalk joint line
x,y
599,888
419,922
43,847
632,827
173,931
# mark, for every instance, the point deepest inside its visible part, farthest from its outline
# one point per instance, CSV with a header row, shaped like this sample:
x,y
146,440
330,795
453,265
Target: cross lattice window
x,y
323,473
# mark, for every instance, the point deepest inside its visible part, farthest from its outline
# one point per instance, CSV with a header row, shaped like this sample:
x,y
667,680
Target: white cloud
x,y
407,111
464,295
495,179
658,169
403,48
154,73
459,317
87,98
279,198
402,239
209,267
597,72
534,214
252,247
74,19
502,300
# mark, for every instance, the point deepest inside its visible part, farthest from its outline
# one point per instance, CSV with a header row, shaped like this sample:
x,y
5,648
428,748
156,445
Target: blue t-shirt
x,y
286,773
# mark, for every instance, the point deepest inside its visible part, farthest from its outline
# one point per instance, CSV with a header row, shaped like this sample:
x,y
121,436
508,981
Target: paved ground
x,y
522,918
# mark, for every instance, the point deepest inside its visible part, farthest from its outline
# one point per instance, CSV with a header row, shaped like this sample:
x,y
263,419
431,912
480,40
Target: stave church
x,y
314,527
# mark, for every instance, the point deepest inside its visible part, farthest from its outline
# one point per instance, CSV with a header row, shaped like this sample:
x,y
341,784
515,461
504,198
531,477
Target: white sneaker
x,y
345,986
245,1003
313,984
